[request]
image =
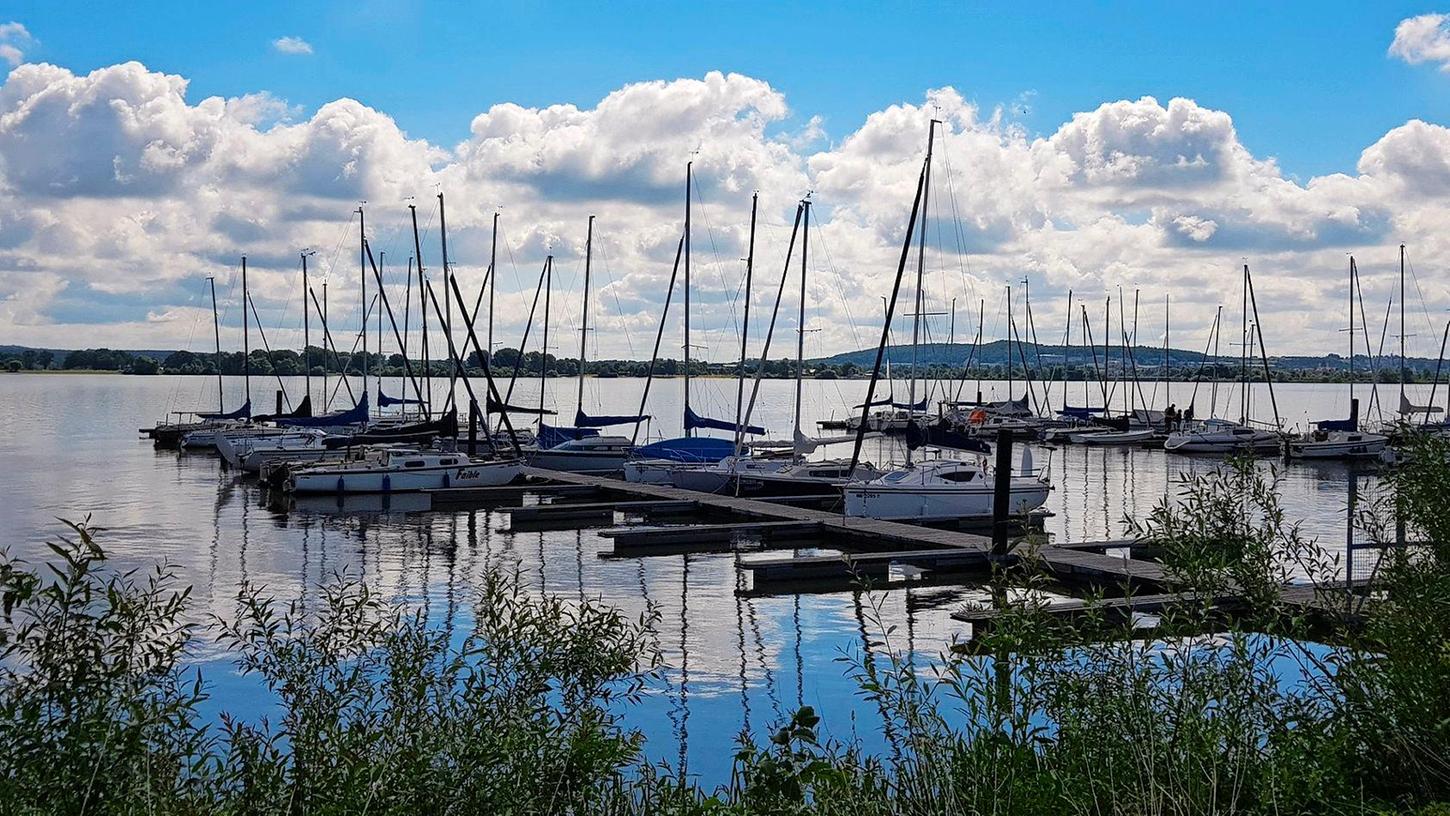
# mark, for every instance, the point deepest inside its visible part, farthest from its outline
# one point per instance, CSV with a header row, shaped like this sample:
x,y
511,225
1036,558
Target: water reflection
x,y
733,662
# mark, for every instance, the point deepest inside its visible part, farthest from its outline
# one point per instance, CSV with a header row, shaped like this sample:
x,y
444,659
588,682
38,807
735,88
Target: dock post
x,y
1002,493
473,427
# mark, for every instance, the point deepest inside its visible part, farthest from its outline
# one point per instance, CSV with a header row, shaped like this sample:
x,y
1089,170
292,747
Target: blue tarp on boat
x,y
688,449
1080,413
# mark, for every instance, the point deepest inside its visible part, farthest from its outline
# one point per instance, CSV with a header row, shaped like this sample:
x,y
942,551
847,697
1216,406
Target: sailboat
x,y
1221,436
1341,438
653,463
933,489
169,434
586,452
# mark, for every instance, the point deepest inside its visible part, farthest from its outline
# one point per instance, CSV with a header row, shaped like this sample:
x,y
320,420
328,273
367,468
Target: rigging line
x,y
719,265
356,341
840,282
1424,307
964,259
614,294
268,348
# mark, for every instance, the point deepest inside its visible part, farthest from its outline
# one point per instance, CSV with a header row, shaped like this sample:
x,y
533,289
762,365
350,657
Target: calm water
x,y
69,447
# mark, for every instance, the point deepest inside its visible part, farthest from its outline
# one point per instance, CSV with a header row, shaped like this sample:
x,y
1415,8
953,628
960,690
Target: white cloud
x,y
292,45
118,195
14,38
1425,38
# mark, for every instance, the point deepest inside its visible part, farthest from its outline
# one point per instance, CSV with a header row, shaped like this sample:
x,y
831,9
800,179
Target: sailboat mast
x,y
493,281
1244,354
1351,330
246,336
1402,324
920,275
745,328
362,265
1008,344
1217,335
1166,398
543,349
423,309
217,331
800,344
689,167
584,318
327,343
447,291
306,332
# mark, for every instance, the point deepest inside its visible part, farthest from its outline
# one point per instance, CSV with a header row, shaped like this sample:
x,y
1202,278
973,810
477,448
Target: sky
x,y
1089,147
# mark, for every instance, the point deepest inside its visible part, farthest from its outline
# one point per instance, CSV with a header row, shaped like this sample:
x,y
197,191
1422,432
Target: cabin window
x,y
959,476
896,477
446,461
412,463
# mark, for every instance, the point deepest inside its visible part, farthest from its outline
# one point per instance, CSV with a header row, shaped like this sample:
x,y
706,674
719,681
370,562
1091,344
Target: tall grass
x,y
1253,707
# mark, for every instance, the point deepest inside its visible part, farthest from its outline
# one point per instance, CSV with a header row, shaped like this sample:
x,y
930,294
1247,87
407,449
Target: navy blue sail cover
x,y
583,420
496,407
244,412
550,436
356,415
920,406
384,400
1080,413
694,421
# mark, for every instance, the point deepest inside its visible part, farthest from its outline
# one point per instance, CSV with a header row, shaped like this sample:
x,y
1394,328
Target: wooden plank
x,y
575,510
463,496
846,565
625,537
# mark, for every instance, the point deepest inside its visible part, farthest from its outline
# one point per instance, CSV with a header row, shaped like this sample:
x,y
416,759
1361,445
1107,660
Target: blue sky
x,y
1308,83
1086,146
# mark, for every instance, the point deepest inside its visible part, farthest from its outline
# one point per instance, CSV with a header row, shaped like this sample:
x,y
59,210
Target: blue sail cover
x,y
384,400
688,449
550,436
920,406
583,420
694,421
356,415
244,412
1080,413
1351,424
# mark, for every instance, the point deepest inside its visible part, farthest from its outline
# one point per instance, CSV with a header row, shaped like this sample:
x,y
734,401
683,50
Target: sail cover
x,y
688,449
920,406
496,407
244,412
550,436
356,415
583,420
1079,412
694,420
303,409
1407,407
1351,424
384,400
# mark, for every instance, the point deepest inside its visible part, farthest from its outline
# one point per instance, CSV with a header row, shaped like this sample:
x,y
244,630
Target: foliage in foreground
x,y
376,713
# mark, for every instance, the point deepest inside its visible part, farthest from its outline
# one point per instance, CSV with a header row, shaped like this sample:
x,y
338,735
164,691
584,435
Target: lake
x,y
69,447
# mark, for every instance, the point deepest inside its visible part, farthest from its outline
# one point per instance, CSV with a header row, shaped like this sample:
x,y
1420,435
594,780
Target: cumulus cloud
x,y
292,45
119,195
14,39
1421,39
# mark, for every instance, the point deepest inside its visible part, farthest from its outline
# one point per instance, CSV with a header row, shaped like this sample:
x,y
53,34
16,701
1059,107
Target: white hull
x,y
1364,446
717,477
649,471
578,461
1116,438
257,460
1222,438
396,480
919,503
207,439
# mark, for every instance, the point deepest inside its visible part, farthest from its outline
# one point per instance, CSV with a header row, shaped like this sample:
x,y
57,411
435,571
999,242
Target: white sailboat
x,y
1342,438
397,471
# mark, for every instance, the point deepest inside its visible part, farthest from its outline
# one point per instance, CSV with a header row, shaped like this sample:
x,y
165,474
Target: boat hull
x,y
578,461
334,481
919,503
